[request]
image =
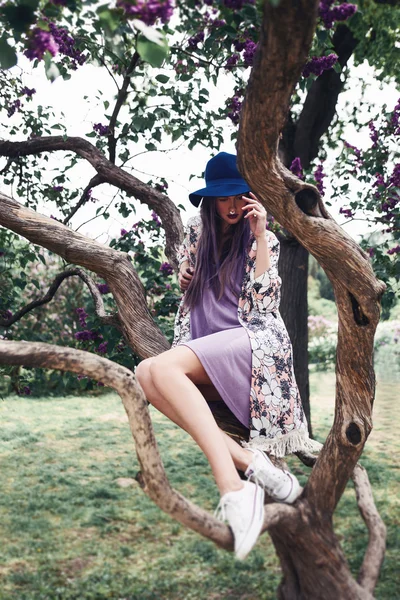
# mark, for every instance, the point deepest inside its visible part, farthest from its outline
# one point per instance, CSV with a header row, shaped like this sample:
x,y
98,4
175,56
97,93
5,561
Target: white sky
x,y
177,164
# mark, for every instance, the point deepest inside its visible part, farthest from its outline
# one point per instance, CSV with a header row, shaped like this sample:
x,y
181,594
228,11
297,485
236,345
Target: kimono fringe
x,y
295,441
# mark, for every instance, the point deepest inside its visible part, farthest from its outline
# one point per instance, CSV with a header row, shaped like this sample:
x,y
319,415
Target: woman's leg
x,y
169,382
240,456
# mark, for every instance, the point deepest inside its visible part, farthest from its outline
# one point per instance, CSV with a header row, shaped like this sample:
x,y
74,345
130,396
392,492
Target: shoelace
x,y
220,511
271,491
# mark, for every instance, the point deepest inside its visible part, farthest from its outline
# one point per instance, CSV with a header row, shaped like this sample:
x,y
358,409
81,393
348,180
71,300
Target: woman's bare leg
x,y
169,382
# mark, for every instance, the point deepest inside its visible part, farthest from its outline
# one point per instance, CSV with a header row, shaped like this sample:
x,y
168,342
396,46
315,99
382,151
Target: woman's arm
x,y
265,283
263,262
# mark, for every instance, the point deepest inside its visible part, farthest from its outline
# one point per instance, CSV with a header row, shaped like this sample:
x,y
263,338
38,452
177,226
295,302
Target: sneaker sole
x,y
255,527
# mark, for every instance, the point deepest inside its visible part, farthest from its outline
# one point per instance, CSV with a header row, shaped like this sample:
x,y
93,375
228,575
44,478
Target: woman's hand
x,y
185,276
257,215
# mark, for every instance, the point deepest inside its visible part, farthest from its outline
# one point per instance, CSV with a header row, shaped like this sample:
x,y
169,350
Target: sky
x,y
175,163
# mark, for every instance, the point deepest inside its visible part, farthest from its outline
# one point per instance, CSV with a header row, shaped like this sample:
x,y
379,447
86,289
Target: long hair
x,y
215,265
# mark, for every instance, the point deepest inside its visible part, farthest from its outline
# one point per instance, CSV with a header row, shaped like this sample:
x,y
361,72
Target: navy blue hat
x,y
222,179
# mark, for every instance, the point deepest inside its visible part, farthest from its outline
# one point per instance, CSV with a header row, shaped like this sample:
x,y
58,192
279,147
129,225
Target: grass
x,y
70,530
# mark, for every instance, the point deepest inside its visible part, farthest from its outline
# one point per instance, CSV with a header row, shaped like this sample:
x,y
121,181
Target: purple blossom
x,y
167,286
7,314
373,134
39,43
239,45
26,390
394,250
319,177
195,40
166,269
234,105
216,23
318,64
232,61
161,187
395,176
395,119
102,348
250,48
338,13
156,218
103,288
28,91
58,188
347,212
14,106
123,232
371,251
86,335
296,168
101,129
82,316
147,11
66,45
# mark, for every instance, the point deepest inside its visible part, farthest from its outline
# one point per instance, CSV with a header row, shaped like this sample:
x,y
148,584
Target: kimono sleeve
x,y
183,250
266,288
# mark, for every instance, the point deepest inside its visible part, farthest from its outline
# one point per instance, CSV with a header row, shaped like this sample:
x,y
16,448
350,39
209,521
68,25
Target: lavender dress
x,y
223,346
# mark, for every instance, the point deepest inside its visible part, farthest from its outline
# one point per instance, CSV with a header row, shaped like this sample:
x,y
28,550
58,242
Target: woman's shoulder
x,y
194,221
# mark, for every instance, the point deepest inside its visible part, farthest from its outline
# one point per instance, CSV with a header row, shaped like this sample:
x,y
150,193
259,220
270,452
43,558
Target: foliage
x,y
78,534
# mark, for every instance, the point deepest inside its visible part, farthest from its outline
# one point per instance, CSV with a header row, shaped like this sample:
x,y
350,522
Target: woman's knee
x,y
142,371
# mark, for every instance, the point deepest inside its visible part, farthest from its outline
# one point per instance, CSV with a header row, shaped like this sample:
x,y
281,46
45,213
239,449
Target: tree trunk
x,y
293,268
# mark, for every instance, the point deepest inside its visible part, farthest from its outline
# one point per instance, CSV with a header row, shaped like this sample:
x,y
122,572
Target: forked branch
x,y
122,380
98,300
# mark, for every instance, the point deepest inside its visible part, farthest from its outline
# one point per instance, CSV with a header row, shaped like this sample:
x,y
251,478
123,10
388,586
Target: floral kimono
x,y
277,421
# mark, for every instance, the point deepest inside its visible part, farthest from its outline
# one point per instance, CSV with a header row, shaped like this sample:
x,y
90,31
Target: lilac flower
x,y
395,176
86,335
394,250
337,13
216,23
234,105
28,92
231,62
371,252
103,288
318,64
123,232
319,177
58,188
167,286
26,390
66,45
161,187
101,129
374,134
195,40
147,11
16,105
82,316
239,45
102,348
166,269
156,218
250,48
395,119
296,168
347,212
40,41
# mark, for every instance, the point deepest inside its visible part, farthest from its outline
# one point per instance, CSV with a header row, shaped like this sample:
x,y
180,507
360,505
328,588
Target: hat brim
x,y
220,188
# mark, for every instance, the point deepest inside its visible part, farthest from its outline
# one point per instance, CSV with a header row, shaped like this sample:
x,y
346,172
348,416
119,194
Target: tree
x,y
302,534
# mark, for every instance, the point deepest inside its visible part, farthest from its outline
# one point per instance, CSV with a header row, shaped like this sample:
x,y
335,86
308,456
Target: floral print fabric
x,y
277,421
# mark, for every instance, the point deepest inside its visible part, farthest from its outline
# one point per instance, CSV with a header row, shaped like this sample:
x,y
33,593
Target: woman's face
x,y
229,208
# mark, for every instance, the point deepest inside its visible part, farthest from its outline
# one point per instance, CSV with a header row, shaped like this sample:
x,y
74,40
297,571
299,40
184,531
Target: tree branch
x,y
121,97
98,301
122,380
138,327
110,173
375,553
94,182
284,45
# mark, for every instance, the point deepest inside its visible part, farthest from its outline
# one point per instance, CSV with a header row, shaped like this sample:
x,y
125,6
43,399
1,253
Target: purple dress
x,y
223,346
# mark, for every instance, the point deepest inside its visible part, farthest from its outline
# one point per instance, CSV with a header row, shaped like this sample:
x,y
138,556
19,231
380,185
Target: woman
x,y
231,342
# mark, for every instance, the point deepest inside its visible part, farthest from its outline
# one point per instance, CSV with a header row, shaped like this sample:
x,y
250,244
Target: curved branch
x,y
94,182
122,380
299,209
109,173
138,327
98,300
375,553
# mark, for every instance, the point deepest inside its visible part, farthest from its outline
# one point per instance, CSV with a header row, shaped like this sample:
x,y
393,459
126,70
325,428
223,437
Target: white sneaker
x,y
244,511
280,485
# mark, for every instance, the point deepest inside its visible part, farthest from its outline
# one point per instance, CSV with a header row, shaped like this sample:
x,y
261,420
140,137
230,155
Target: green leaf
x,y
154,54
8,56
162,78
51,69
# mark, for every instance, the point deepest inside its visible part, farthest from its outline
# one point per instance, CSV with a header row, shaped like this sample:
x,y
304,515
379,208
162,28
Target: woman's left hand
x,y
257,215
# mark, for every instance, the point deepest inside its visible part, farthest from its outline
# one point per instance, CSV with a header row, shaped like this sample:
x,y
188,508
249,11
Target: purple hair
x,y
215,265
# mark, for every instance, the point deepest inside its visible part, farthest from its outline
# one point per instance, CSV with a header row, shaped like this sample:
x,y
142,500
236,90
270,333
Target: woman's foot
x,y
244,511
280,485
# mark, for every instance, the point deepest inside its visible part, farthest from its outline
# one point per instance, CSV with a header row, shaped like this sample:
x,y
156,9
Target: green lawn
x,y
70,530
